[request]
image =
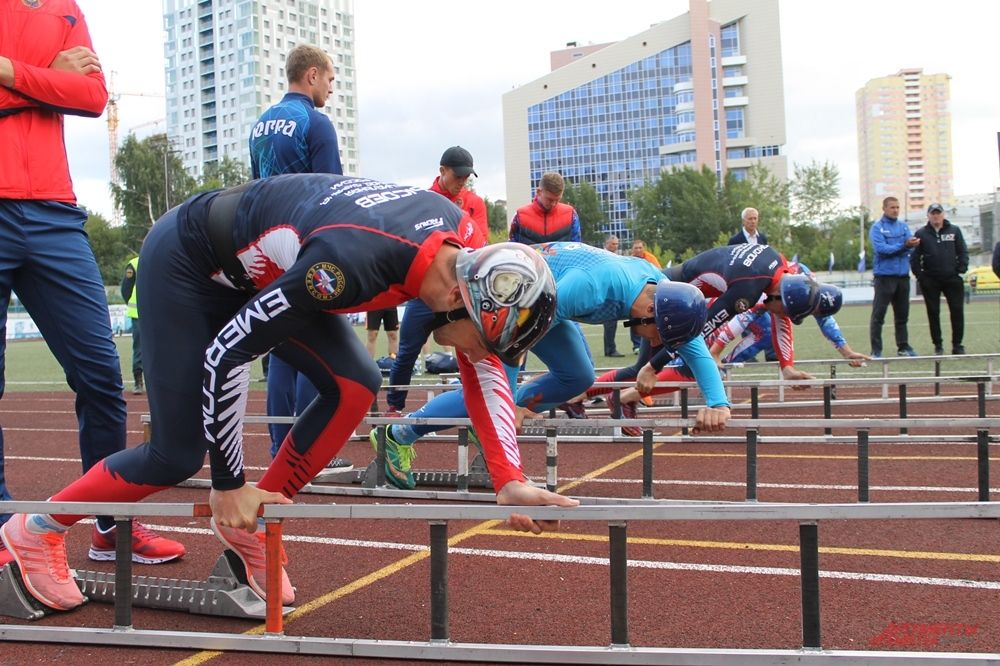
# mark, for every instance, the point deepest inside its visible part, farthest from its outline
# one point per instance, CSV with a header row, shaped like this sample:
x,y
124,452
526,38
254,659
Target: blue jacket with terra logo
x,y
888,238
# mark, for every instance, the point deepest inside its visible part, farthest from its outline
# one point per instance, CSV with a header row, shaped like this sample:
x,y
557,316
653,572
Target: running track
x,y
691,584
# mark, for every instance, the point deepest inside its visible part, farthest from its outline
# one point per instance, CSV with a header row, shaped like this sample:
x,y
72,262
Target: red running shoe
x,y
574,410
5,556
629,411
44,567
250,549
148,547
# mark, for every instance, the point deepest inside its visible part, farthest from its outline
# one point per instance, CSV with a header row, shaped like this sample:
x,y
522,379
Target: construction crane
x,y
112,113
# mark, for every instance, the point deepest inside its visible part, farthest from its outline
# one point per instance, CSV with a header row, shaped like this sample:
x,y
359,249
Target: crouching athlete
x,y
273,265
737,277
592,286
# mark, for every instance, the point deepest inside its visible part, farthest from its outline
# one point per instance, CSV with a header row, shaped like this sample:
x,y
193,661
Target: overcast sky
x,y
430,74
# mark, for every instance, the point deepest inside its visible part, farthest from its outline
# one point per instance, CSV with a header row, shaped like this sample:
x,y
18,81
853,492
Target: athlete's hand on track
x,y
238,508
522,413
791,373
711,419
646,380
520,493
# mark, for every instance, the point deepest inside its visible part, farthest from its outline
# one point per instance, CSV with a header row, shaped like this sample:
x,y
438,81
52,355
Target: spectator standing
x,y
546,219
131,296
938,262
611,244
749,233
388,319
293,137
48,69
892,243
454,169
639,250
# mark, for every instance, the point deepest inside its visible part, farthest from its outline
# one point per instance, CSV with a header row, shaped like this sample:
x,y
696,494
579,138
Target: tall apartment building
x,y
904,141
704,88
225,64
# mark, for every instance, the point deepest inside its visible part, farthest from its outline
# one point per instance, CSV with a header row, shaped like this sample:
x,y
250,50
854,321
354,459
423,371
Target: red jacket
x,y
533,224
32,151
472,204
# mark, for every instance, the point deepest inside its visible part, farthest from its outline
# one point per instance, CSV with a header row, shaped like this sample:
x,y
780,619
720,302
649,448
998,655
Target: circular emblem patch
x,y
742,305
324,281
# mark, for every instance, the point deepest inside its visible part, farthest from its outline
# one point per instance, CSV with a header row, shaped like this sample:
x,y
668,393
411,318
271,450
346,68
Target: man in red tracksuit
x,y
453,174
546,219
48,69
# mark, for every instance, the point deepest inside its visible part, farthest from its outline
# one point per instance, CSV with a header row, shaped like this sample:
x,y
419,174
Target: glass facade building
x,y
677,95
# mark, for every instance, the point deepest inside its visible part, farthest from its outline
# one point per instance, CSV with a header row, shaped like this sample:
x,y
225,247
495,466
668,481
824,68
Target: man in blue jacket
x,y
892,243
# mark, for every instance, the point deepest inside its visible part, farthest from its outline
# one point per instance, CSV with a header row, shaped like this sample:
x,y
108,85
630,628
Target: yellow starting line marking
x,y
765,547
488,527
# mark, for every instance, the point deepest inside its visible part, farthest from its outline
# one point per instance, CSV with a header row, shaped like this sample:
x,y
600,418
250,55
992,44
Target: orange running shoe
x,y
43,563
250,549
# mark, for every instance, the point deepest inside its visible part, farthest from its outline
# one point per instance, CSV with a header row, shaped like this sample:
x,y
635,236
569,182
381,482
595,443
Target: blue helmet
x,y
681,311
830,300
799,295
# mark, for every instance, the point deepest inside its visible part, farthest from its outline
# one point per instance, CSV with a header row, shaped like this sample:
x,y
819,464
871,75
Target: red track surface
x,y
380,593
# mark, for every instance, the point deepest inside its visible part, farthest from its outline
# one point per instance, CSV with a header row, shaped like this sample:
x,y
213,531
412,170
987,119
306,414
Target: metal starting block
x,y
568,431
224,594
477,477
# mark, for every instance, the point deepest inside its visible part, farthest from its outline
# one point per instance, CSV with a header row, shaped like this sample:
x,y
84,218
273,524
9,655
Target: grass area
x,y
31,367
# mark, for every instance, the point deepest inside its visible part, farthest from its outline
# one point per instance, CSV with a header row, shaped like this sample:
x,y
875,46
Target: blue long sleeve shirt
x,y
892,257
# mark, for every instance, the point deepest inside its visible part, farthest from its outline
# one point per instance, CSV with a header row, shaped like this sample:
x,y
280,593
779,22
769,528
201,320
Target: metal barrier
x,y
439,647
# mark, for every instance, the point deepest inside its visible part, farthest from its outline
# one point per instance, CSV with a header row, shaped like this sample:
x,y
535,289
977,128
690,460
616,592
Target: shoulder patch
x,y
324,281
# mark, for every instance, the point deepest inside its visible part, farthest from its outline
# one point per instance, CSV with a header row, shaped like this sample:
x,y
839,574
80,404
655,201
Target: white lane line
x,y
635,564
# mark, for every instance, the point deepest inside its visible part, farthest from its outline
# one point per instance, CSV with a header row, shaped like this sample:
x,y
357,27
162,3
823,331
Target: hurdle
x,y
440,647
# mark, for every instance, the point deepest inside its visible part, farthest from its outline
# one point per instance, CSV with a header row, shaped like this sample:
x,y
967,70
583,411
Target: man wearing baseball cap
x,y
937,263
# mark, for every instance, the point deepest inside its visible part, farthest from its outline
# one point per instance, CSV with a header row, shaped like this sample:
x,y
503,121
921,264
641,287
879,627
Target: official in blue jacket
x,y
892,243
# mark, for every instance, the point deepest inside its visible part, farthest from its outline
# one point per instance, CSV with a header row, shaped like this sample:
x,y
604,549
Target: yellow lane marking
x,y
804,456
790,548
353,586
386,571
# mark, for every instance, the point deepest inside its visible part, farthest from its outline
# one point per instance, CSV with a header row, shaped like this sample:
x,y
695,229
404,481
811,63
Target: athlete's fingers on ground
x,y
555,499
523,523
275,498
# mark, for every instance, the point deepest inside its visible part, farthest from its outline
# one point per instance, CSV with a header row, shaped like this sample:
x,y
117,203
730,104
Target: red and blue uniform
x,y
313,246
592,286
413,329
291,137
45,257
736,276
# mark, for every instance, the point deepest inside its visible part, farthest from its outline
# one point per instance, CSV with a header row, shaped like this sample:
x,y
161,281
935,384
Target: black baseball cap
x,y
935,208
459,160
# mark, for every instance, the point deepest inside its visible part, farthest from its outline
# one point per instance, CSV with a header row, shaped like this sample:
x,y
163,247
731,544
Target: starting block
x,y
224,594
477,477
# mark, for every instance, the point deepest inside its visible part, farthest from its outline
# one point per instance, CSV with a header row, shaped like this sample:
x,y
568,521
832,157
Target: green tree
x,y
583,197
225,173
686,212
679,210
496,216
815,192
109,248
153,180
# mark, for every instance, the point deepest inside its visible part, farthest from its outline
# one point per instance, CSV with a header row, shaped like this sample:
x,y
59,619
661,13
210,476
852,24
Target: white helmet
x,y
510,295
